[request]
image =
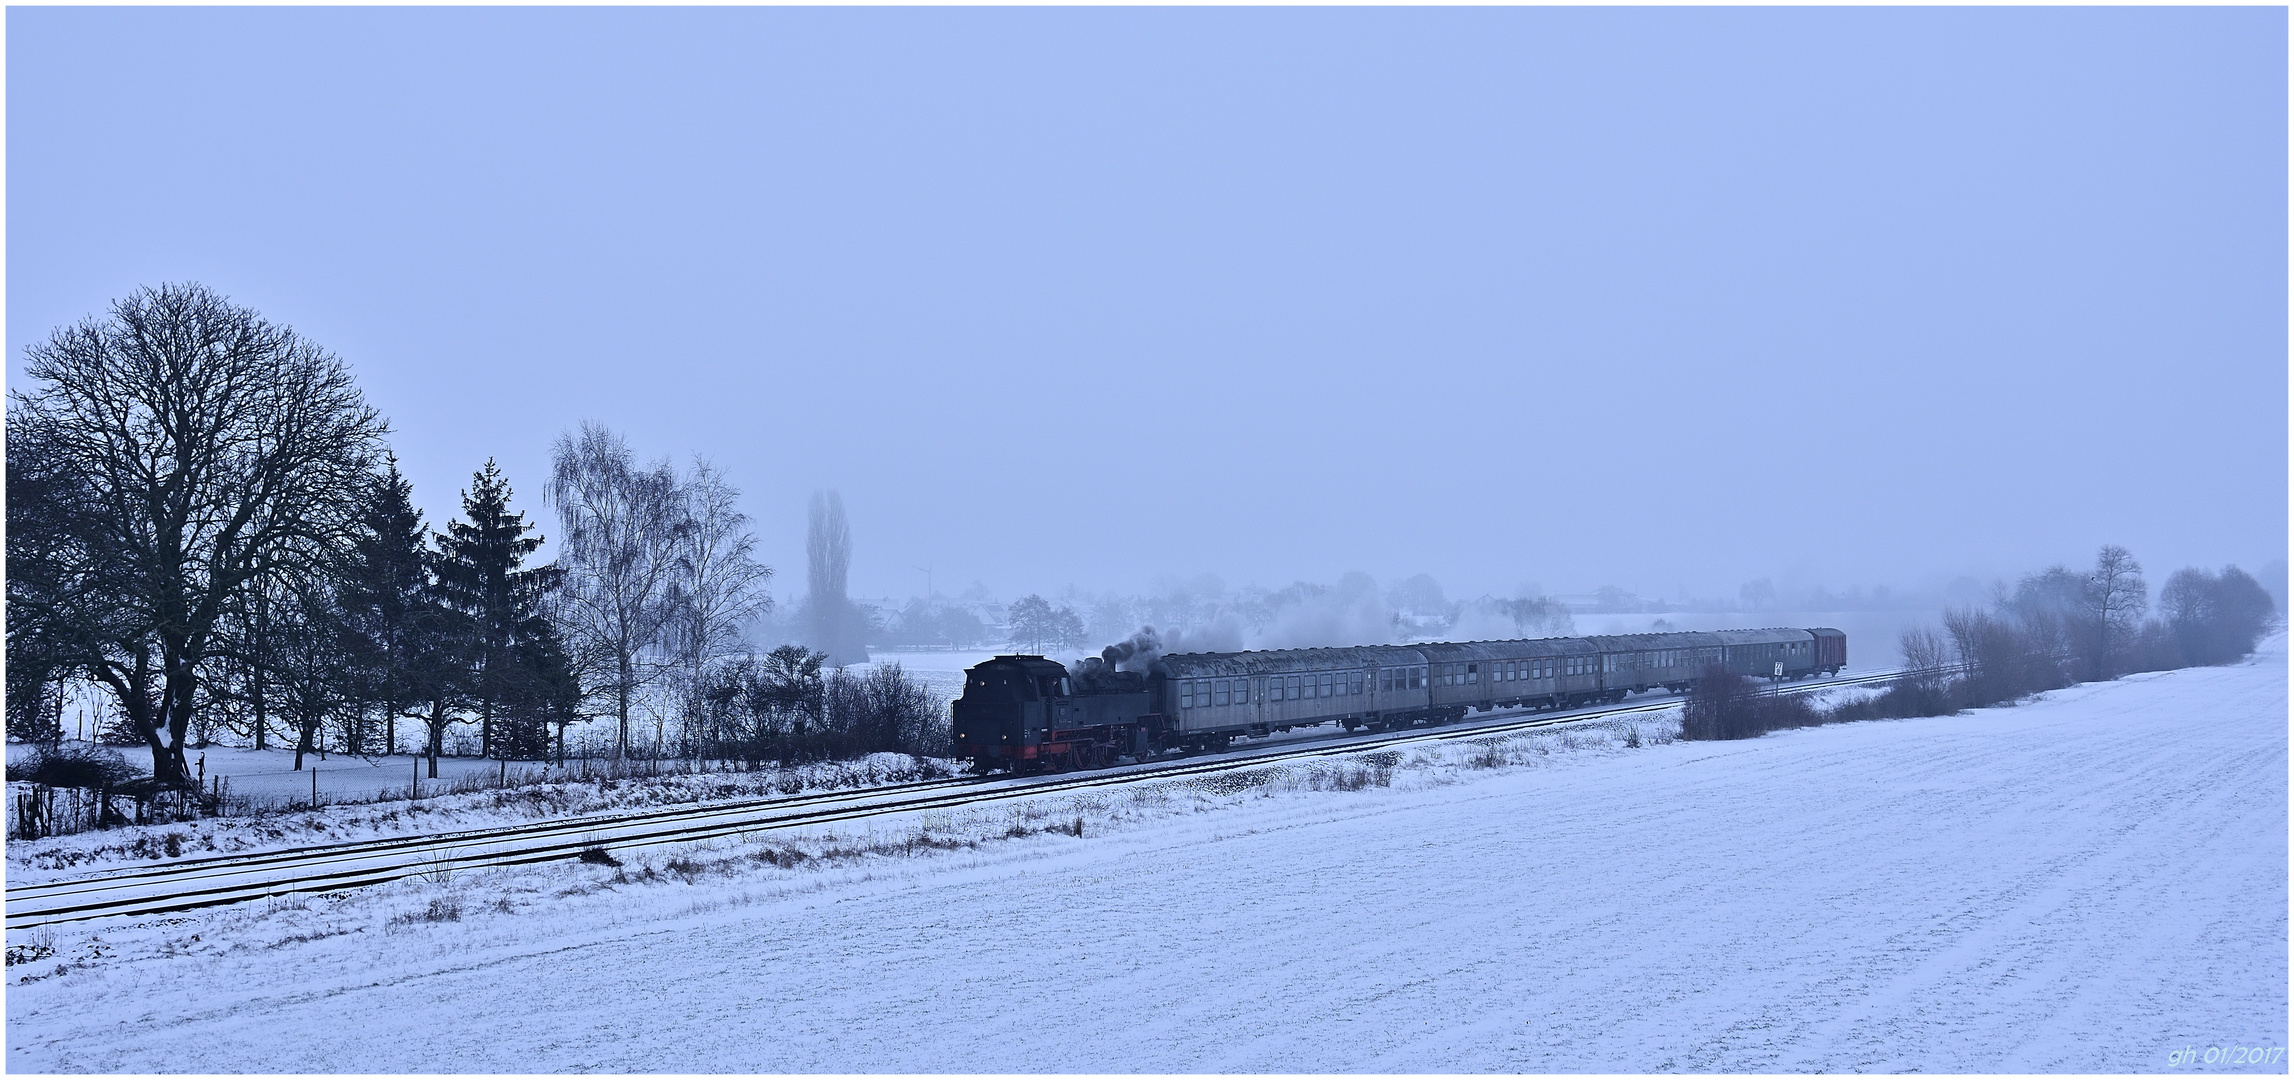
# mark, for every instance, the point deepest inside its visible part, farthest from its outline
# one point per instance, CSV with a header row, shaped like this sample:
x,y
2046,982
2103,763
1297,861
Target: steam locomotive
x,y
1025,713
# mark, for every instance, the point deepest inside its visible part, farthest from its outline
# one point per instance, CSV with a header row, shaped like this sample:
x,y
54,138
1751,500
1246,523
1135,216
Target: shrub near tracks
x,y
1723,705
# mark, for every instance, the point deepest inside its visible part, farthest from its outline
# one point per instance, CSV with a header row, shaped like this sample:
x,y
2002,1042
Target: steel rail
x,y
214,880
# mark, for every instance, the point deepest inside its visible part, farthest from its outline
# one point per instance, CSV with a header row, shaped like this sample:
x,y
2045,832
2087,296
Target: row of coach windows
x,y
1392,679
1208,693
1326,684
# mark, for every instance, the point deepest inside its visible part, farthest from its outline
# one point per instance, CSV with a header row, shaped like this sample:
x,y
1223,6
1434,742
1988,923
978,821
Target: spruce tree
x,y
481,576
387,597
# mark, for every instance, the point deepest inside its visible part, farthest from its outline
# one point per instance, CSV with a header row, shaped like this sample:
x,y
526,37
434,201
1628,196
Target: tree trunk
x,y
437,733
621,695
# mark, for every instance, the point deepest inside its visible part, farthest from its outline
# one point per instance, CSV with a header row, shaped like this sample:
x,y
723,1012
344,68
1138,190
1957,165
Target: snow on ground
x,y
2092,882
442,809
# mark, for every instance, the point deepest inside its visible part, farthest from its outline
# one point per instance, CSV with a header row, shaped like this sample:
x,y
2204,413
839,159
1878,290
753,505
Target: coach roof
x,y
1285,661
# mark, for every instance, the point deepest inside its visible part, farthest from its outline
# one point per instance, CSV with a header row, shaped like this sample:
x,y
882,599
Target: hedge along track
x,y
187,884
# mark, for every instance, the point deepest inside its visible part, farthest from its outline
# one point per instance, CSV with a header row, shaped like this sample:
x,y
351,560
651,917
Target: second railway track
x,y
187,884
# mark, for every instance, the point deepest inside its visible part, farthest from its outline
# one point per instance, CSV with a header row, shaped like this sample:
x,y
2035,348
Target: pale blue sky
x,y
1659,298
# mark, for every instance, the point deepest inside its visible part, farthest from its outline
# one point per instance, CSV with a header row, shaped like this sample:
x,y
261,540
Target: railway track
x,y
187,884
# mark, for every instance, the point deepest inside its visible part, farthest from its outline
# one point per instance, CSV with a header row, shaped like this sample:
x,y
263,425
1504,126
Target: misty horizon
x,y
1670,301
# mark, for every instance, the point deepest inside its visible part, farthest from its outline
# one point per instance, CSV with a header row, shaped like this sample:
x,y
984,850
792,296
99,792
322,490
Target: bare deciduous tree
x,y
1927,658
1035,621
178,446
718,583
2116,598
624,532
2215,619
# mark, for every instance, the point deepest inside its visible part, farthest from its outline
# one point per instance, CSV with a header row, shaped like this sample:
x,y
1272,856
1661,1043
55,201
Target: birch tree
x,y
624,534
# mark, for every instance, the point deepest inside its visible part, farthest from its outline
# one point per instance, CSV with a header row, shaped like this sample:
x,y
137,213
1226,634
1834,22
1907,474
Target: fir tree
x,y
481,576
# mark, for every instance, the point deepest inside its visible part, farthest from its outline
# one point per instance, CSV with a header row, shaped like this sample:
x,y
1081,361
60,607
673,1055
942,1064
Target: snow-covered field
x,y
2092,882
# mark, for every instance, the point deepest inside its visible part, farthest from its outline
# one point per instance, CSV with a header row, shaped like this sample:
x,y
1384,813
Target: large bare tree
x,y
624,534
2116,597
164,456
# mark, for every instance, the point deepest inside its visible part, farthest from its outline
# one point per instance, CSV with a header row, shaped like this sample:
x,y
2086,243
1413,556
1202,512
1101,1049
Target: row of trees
x,y
2061,626
204,521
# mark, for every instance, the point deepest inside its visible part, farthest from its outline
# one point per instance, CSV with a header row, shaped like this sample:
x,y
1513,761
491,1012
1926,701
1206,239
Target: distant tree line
x,y
2055,628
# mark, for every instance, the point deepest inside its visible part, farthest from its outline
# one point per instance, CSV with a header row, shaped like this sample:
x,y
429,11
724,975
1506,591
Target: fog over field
x,y
1667,301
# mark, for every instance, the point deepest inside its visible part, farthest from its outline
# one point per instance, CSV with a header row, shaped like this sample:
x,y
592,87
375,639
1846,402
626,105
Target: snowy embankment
x,y
521,803
2092,882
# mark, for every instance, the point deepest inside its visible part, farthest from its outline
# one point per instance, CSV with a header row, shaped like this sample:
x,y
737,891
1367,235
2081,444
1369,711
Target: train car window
x,y
1385,680
1219,692
1473,673
1290,688
1357,681
1187,694
1322,686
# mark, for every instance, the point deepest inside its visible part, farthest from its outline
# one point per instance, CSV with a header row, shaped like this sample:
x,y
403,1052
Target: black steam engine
x,y
1026,713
